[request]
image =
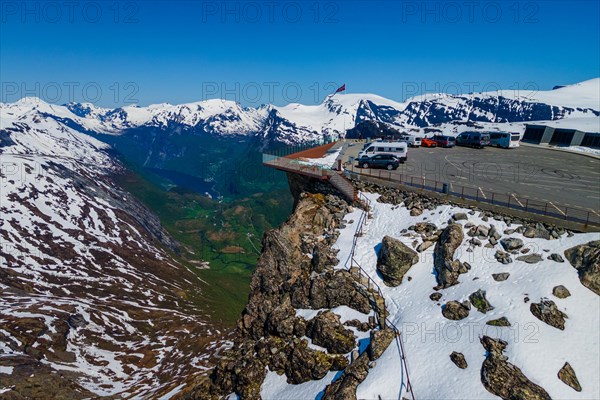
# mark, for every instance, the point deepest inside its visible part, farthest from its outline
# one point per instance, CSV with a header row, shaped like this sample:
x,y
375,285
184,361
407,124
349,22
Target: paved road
x,y
536,173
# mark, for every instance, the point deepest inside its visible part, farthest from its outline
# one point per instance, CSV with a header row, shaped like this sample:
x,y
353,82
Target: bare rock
x,y
531,258
510,244
502,276
380,341
561,292
455,310
459,360
567,375
556,257
435,296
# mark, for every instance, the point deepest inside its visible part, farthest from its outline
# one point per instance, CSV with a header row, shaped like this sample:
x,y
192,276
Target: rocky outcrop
x,y
395,259
567,375
586,259
504,379
447,269
546,311
295,271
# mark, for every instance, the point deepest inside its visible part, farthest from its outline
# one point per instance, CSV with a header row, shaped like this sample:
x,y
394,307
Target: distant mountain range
x,y
297,123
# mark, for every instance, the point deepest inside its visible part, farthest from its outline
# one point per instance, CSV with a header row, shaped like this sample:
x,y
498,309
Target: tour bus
x,y
506,140
398,149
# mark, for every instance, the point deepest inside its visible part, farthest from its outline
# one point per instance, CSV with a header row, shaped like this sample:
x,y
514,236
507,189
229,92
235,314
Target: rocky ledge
x,y
296,272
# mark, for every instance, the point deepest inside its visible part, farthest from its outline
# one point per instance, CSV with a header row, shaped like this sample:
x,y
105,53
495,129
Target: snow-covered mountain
x,y
296,123
92,301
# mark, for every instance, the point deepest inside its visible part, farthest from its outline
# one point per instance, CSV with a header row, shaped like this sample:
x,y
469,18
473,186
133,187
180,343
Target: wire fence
x,y
583,216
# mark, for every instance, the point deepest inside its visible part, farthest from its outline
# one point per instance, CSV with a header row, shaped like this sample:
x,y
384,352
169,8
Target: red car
x,y
425,142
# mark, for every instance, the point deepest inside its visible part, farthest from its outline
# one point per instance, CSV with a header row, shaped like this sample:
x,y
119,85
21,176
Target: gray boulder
x,y
556,257
531,258
395,259
510,244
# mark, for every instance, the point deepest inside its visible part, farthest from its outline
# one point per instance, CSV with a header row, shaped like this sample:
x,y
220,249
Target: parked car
x,y
473,139
412,141
444,141
398,149
426,142
388,161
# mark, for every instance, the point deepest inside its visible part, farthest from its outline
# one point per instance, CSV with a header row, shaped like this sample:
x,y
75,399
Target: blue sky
x,y
114,53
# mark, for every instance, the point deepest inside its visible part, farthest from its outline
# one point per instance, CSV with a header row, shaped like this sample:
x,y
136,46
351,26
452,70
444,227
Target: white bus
x,y
398,149
506,140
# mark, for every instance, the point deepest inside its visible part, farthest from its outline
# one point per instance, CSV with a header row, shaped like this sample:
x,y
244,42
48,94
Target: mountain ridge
x,y
297,123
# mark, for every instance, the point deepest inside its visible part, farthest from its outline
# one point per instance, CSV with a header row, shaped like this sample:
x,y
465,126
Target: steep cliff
x,y
296,321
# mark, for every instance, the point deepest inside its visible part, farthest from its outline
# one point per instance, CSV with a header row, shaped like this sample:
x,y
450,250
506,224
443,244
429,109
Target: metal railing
x,y
583,216
351,262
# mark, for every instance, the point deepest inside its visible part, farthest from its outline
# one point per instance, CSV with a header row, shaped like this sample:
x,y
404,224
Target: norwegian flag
x,y
341,88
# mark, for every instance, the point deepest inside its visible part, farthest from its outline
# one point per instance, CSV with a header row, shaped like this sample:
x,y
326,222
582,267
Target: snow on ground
x,y
539,350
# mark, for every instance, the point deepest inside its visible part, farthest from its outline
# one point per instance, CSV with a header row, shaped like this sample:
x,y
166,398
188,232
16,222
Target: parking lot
x,y
526,172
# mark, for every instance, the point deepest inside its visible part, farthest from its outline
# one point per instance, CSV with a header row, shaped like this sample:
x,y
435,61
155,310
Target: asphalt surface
x,y
558,177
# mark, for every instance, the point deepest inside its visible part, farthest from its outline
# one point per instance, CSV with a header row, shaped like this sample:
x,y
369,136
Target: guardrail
x,y
507,200
371,284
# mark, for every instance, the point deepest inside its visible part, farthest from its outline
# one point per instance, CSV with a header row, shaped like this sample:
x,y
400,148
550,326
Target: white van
x,y
398,149
506,140
413,141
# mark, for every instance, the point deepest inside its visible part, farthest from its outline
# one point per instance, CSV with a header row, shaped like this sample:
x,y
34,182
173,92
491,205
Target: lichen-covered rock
x,y
480,302
547,312
435,296
395,259
455,310
459,360
502,321
327,331
586,259
567,375
446,268
504,379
